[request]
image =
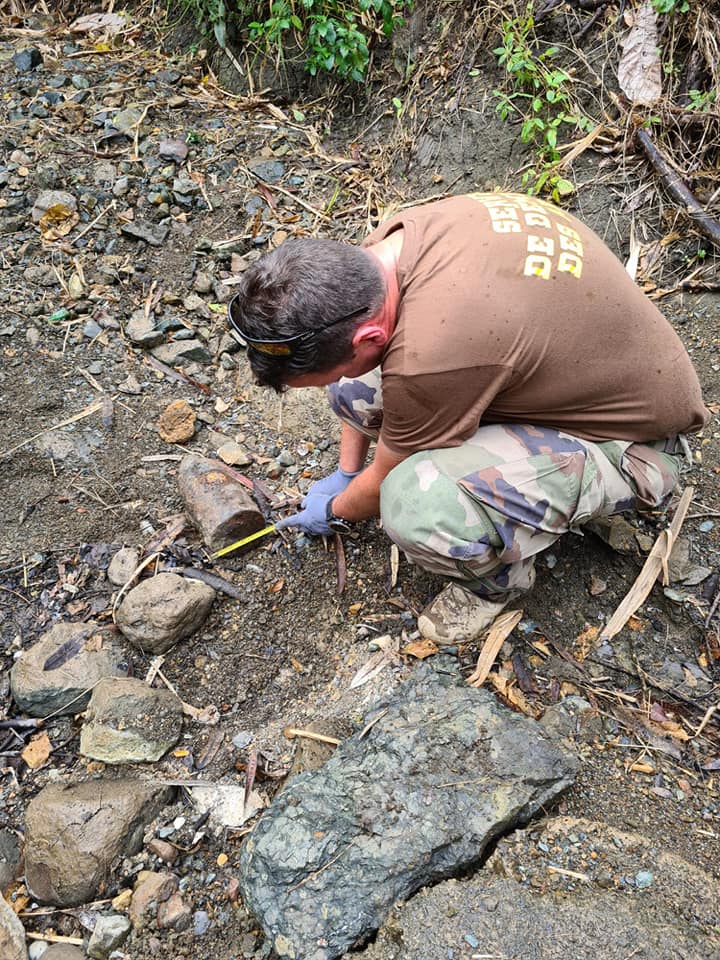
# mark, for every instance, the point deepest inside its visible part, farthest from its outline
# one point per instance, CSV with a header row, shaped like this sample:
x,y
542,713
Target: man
x,y
518,384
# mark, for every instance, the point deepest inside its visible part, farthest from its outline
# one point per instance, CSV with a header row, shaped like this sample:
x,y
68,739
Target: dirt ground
x,y
285,653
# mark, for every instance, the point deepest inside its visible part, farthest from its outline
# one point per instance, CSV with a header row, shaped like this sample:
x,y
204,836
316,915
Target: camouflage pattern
x,y
480,513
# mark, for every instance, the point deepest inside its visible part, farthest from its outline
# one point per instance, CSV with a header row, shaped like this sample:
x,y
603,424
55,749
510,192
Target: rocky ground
x,y
144,714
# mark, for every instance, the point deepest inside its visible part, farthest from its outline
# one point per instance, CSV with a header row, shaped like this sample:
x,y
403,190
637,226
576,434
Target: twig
x,y
292,732
292,196
88,411
499,631
110,206
706,224
713,608
340,563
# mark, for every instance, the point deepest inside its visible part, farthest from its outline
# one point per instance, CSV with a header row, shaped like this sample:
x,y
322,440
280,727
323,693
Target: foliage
x,y
671,6
334,35
540,96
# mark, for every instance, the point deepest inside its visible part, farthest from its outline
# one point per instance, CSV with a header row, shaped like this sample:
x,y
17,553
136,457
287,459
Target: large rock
x,y
129,722
57,674
12,934
620,896
96,822
164,609
219,505
443,771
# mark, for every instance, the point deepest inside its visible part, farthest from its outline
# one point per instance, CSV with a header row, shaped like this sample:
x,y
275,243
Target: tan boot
x,y
457,615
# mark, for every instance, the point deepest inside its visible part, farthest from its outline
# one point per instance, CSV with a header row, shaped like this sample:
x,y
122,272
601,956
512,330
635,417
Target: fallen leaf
x,y
387,654
226,803
512,694
499,631
421,649
355,608
585,642
297,666
57,221
636,624
640,69
111,23
222,859
277,586
37,751
640,767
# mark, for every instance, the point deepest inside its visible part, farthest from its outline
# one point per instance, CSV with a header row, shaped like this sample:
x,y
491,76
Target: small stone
x,y
126,120
110,932
203,282
130,386
164,850
52,198
181,352
27,59
121,187
174,914
176,150
37,949
152,889
597,586
92,329
706,526
644,879
123,565
141,329
164,609
201,923
268,170
154,234
234,454
177,422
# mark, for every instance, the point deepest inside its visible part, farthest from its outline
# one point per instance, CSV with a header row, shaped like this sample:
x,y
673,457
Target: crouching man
x,y
517,382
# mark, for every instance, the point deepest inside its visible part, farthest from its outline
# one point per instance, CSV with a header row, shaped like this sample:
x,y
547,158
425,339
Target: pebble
x,y
92,329
706,526
27,59
177,422
644,879
201,923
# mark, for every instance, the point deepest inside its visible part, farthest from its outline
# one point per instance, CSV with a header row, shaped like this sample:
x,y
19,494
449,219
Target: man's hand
x,y
313,519
332,485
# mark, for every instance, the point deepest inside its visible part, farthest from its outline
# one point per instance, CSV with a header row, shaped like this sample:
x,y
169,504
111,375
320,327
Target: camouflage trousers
x,y
481,512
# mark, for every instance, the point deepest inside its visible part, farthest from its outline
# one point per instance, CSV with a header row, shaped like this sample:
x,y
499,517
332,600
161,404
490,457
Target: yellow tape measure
x,y
243,542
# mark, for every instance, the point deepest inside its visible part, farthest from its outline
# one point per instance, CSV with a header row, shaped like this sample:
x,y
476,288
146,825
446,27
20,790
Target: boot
x,y
457,615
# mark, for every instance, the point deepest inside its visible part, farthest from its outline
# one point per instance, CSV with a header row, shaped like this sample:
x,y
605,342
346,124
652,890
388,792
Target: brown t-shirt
x,y
511,310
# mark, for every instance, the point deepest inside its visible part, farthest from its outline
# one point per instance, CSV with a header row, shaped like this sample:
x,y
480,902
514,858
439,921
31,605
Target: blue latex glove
x,y
313,518
332,485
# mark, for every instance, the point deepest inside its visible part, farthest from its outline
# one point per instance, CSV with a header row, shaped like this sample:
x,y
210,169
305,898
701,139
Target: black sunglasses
x,y
285,347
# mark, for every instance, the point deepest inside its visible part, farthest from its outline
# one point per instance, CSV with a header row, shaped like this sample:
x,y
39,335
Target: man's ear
x,y
370,334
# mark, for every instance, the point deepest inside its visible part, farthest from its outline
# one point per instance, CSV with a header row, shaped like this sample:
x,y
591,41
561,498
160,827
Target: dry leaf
x,y
111,23
499,631
57,221
585,642
387,654
640,69
297,666
277,586
421,649
512,694
394,564
37,751
355,608
636,624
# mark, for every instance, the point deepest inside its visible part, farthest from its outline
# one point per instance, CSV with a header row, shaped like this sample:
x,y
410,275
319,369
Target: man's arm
x,y
353,448
361,499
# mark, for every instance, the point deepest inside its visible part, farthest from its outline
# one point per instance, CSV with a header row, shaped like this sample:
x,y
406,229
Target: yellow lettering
x,y
538,267
503,213
540,245
569,263
533,218
573,246
506,226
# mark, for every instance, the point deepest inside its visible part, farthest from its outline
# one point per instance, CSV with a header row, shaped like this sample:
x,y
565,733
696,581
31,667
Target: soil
x,y
70,495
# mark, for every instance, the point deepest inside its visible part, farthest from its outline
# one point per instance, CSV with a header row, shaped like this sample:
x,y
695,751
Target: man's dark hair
x,y
307,285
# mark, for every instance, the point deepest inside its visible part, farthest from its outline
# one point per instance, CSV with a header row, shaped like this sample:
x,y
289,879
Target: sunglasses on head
x,y
284,347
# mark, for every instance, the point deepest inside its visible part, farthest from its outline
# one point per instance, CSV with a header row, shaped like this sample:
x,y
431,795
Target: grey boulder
x,y
99,821
128,721
443,770
57,674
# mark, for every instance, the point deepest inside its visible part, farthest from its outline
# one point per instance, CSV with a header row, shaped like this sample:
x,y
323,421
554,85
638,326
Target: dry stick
x,y
655,564
713,608
499,631
110,206
706,224
93,408
287,193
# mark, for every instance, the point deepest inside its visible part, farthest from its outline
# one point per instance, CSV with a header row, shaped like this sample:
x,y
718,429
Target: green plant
x,y
333,35
671,6
702,102
540,96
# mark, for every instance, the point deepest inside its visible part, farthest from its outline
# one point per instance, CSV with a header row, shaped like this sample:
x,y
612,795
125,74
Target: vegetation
x,y
540,95
334,36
